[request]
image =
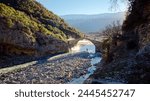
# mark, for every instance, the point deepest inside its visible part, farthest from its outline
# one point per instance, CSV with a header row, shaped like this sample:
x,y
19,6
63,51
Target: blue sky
x,y
65,7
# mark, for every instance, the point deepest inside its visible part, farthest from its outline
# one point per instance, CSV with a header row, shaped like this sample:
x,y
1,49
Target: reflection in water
x,y
83,45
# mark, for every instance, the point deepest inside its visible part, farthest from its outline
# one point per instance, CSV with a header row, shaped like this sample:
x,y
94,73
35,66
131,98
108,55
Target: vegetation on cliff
x,y
41,15
26,27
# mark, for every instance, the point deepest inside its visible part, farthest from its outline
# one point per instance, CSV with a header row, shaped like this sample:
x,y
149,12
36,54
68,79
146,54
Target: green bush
x,y
10,23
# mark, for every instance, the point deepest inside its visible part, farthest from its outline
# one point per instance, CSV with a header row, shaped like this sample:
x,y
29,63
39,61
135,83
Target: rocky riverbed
x,y
55,70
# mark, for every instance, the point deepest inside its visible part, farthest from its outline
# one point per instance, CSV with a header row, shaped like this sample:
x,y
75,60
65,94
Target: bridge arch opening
x,y
84,46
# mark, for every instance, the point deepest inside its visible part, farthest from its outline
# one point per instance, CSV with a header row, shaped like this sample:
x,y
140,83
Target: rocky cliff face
x,y
26,27
29,31
129,58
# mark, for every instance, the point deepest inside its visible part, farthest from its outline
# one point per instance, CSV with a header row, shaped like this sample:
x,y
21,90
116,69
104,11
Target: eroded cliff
x,y
27,28
128,58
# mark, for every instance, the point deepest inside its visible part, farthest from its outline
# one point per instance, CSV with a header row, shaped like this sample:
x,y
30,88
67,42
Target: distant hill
x,y
93,23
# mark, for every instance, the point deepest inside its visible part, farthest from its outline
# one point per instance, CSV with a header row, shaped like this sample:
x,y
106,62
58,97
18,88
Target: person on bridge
x,y
87,49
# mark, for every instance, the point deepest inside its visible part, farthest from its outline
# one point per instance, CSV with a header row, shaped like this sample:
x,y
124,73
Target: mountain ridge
x,y
90,15
93,23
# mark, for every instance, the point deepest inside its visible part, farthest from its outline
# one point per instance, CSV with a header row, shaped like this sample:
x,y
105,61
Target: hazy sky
x,y
64,7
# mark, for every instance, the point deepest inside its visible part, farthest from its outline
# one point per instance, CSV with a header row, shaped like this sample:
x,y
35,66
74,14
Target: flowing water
x,y
86,45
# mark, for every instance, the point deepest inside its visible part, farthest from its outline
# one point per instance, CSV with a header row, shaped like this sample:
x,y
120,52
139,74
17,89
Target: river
x,y
87,46
72,68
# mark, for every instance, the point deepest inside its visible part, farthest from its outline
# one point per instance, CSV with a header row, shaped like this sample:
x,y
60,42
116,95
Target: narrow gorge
x,y
39,47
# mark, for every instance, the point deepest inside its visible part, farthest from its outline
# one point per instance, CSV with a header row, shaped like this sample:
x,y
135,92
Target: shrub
x,y
10,23
111,32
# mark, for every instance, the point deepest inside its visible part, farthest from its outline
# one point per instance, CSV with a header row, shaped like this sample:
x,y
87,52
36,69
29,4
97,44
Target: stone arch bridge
x,y
96,42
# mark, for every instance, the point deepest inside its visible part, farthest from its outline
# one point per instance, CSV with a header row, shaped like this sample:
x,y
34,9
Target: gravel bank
x,y
55,70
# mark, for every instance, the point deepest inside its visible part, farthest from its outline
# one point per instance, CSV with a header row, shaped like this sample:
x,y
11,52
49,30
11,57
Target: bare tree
x,y
112,29
115,4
